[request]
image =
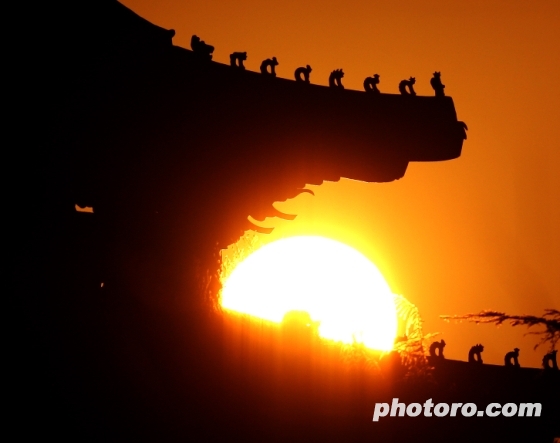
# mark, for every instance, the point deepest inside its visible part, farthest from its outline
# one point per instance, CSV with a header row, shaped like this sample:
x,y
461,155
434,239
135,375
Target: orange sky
x,y
480,232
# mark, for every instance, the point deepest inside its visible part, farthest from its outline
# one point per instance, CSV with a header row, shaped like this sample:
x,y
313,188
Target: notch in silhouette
x,y
83,209
302,74
335,79
436,349
475,354
549,361
511,359
236,59
462,128
370,84
406,87
437,85
201,49
268,66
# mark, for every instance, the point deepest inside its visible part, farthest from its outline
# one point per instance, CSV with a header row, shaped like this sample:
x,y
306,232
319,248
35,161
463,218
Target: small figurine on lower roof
x,y
437,85
370,84
303,71
201,49
269,63
549,361
511,358
335,79
437,346
406,87
475,354
236,59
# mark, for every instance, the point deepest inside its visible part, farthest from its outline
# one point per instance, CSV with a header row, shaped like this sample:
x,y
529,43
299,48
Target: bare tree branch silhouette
x,y
550,320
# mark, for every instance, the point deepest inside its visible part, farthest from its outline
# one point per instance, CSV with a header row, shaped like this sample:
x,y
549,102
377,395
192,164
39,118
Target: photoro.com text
x,y
431,409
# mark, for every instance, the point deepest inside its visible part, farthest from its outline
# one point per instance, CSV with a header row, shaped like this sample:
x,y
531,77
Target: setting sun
x,y
335,284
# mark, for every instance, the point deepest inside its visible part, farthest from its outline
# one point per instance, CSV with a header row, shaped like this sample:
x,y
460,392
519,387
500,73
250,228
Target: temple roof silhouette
x,y
148,108
173,152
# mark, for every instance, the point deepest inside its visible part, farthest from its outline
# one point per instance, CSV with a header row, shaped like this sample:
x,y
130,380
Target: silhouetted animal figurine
x,y
475,354
269,63
201,49
437,346
437,85
237,58
406,87
335,79
370,84
549,361
511,358
303,71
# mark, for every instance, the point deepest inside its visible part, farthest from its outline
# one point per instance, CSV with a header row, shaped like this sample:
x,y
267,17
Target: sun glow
x,y
335,284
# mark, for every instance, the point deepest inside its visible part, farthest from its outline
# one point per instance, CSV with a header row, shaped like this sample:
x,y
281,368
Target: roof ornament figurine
x,y
549,361
475,354
436,349
269,63
302,74
370,84
236,59
511,358
437,85
406,87
335,79
201,49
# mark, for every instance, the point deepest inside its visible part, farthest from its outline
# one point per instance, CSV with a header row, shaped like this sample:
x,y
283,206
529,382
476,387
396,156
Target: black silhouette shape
x,y
335,79
370,84
438,87
511,358
201,49
406,87
475,354
236,59
268,66
549,361
174,154
302,71
436,349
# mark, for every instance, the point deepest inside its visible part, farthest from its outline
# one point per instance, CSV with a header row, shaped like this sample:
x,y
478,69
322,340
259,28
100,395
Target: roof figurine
x,y
335,79
201,49
437,85
370,84
302,71
268,66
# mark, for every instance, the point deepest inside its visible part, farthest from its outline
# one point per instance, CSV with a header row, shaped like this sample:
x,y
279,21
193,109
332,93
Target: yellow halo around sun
x,y
335,284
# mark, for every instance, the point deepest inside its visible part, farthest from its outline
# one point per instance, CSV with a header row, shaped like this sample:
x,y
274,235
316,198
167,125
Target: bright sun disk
x,y
335,284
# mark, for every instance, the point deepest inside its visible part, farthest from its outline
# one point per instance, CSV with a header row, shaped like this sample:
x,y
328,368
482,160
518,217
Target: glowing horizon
x,y
335,284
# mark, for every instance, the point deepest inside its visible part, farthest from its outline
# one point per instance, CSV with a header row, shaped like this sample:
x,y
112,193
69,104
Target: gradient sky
x,y
480,232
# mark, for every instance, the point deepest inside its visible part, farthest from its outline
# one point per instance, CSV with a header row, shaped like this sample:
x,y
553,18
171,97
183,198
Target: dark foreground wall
x,y
119,340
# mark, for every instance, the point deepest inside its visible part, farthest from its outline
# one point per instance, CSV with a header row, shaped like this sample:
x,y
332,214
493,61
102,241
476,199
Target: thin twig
x,y
550,320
